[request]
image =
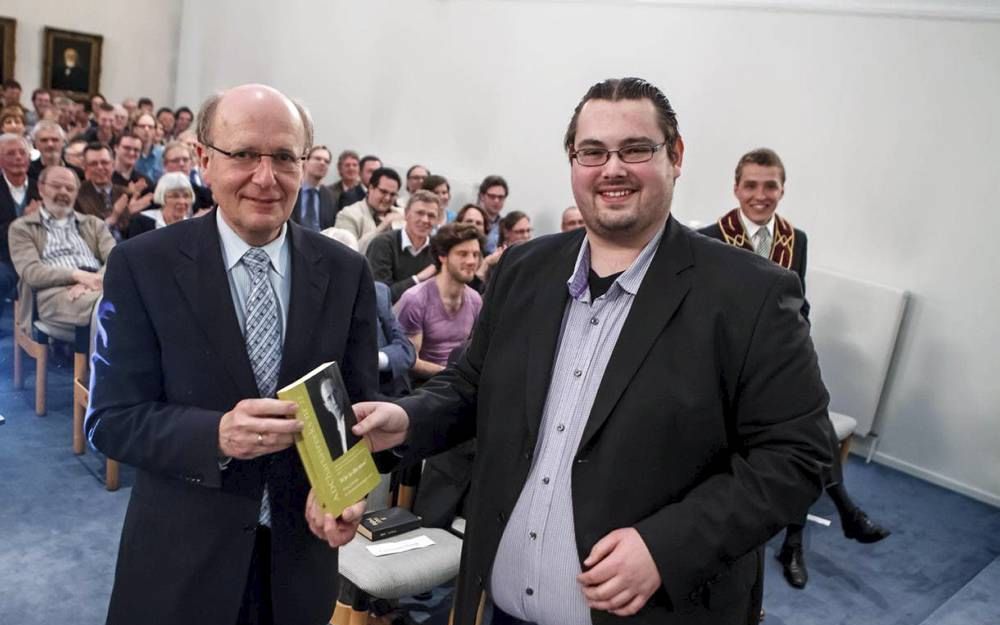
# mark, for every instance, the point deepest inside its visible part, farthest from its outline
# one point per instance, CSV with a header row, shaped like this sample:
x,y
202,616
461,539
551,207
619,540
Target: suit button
x,y
500,518
479,580
527,455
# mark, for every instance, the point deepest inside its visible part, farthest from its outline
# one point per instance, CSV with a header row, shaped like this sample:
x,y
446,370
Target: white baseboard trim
x,y
933,477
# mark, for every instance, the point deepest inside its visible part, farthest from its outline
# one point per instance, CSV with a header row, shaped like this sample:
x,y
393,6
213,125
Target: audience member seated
x,y
395,352
12,93
150,161
348,189
18,196
174,196
474,215
177,158
12,121
402,258
104,131
375,214
183,117
315,208
100,197
41,100
165,117
49,139
756,227
73,155
121,122
127,148
493,193
515,227
439,186
571,219
438,315
59,254
415,177
369,163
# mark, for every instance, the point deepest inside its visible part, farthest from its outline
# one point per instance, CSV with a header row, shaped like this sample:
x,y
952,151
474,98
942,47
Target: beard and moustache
x,y
60,207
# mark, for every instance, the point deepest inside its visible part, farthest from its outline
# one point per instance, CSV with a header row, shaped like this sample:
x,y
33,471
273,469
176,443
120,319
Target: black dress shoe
x,y
862,529
794,565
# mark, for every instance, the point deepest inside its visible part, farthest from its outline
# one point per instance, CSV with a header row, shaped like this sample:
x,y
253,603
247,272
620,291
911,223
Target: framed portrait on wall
x,y
72,62
7,26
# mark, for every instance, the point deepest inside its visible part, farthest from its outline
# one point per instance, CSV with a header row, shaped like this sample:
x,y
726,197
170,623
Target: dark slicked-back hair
x,y
616,89
765,157
450,235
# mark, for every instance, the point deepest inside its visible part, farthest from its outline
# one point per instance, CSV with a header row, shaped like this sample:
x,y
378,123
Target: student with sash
x,y
756,227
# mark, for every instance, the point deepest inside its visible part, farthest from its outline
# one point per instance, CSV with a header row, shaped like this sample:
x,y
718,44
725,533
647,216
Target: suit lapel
x,y
201,275
545,322
663,289
309,284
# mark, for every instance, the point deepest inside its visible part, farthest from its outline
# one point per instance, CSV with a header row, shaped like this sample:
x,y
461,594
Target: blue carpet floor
x,y
59,534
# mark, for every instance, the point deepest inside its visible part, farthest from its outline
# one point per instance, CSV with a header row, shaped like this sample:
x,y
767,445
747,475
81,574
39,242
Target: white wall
x,y
140,43
887,125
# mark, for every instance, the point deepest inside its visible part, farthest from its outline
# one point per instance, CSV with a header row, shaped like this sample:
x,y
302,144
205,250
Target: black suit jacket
x,y
171,360
707,433
327,209
8,213
799,251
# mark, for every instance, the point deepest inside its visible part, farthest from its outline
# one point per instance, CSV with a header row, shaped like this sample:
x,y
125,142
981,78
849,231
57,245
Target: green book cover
x,y
339,465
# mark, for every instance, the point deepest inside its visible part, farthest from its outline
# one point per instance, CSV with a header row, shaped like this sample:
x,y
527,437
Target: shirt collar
x,y
49,220
629,280
751,228
10,184
405,242
306,186
233,247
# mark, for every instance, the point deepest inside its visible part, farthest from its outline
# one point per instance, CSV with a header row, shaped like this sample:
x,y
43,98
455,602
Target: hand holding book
x,y
336,531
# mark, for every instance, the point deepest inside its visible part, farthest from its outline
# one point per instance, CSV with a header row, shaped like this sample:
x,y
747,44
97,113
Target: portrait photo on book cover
x,y
327,394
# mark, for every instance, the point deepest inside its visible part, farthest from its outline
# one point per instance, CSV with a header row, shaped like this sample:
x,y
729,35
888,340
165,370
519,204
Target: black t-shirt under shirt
x,y
598,285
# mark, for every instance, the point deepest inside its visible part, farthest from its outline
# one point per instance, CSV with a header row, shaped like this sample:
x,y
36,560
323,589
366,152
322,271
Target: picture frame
x,y
72,62
8,26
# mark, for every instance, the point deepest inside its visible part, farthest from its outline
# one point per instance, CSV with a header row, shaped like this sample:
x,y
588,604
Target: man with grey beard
x,y
60,254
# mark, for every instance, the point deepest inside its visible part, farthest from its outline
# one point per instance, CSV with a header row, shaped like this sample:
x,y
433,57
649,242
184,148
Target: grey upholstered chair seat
x,y
402,574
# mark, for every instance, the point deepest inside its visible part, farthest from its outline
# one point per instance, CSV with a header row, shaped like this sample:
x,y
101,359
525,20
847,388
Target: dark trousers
x,y
256,606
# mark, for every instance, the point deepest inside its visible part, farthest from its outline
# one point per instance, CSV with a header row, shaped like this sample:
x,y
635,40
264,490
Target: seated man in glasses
x,y
59,254
377,212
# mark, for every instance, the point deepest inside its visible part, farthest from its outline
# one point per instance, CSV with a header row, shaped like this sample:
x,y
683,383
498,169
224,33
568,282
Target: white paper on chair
x,y
384,549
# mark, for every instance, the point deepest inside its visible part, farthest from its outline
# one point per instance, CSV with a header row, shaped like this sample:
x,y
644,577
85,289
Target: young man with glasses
x,y
150,161
315,208
652,397
377,212
493,193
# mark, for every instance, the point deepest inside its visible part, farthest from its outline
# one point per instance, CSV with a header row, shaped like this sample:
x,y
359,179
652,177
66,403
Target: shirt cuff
x,y
383,361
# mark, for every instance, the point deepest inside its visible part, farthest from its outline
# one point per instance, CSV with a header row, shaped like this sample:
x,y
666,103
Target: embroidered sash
x,y
782,245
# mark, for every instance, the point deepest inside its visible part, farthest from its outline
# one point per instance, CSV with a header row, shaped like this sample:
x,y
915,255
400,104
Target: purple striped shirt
x,y
534,575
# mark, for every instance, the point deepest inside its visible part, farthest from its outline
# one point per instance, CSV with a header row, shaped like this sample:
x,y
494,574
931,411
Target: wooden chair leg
x,y
358,617
845,450
111,480
41,376
80,399
18,363
341,614
406,496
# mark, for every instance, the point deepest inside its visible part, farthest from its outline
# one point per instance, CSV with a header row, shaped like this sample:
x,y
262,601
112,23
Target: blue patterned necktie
x,y
311,220
263,337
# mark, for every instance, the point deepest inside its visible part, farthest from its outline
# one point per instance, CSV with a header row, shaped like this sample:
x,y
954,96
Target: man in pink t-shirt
x,y
438,315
